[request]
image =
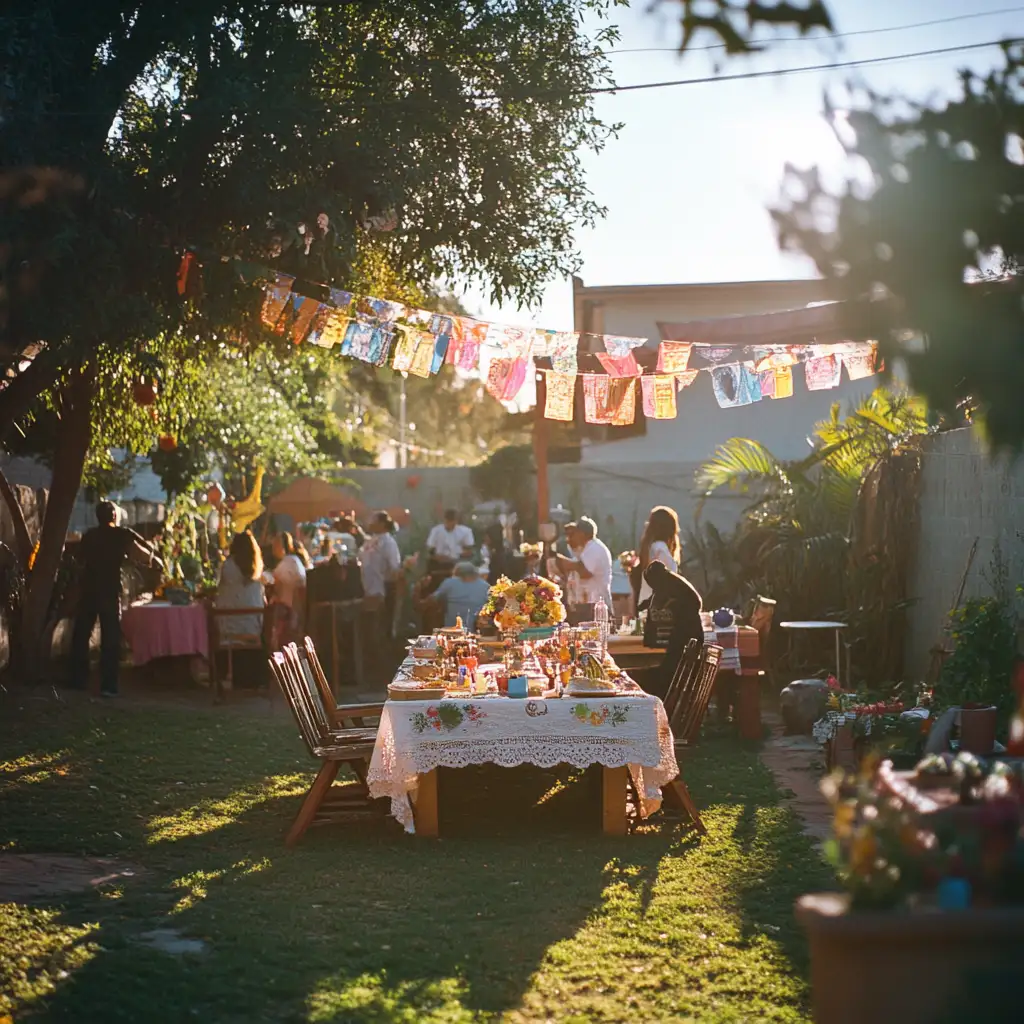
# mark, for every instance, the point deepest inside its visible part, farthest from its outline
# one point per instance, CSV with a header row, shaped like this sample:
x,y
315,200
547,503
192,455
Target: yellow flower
x,y
863,850
842,823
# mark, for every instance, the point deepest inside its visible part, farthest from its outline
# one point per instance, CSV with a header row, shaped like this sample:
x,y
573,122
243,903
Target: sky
x,y
689,179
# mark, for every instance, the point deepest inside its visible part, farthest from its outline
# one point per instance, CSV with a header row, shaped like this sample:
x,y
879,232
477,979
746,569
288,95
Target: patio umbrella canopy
x,y
309,498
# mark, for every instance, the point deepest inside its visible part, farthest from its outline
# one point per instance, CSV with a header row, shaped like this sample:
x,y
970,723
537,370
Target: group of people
x,y
453,588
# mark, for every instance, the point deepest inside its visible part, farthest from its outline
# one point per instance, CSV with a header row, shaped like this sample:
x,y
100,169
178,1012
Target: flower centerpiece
x,y
533,605
628,560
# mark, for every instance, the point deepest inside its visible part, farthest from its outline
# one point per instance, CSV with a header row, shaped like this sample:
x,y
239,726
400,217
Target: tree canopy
x,y
938,232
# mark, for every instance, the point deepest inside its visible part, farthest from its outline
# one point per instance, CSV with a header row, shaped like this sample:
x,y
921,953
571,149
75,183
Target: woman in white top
x,y
659,543
240,586
289,594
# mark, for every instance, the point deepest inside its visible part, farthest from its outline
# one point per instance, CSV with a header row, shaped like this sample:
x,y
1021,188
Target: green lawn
x,y
523,912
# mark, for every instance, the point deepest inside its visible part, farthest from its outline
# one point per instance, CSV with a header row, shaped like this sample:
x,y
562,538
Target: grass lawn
x,y
522,912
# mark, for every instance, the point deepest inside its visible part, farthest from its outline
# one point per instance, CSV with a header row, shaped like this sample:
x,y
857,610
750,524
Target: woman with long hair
x,y
289,594
241,586
659,543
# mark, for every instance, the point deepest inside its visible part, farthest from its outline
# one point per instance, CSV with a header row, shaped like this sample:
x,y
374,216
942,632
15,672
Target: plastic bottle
x,y
601,618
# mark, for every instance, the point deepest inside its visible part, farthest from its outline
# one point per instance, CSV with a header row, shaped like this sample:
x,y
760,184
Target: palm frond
x,y
737,464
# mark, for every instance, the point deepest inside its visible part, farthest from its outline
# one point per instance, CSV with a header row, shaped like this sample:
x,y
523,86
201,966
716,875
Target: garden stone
x,y
802,703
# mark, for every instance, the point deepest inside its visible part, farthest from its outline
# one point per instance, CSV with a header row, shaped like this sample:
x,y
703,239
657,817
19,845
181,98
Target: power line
x,y
778,72
830,35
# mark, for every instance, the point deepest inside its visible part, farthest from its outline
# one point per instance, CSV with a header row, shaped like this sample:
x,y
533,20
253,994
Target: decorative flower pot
x,y
532,633
907,967
978,729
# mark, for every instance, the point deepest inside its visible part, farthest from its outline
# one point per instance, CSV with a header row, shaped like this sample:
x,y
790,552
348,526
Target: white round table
x,y
819,624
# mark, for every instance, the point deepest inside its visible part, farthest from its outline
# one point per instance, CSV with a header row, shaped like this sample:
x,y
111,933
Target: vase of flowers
x,y
934,889
531,607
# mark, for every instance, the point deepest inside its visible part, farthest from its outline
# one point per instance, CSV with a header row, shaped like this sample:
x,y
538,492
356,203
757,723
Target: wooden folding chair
x,y
686,718
681,677
325,802
693,701
339,714
225,640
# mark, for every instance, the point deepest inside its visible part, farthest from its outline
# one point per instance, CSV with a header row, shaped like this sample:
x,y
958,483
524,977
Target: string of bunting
x,y
420,342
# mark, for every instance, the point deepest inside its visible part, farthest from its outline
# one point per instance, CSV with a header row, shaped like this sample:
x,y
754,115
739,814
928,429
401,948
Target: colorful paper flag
x,y
674,356
783,383
609,400
659,390
861,364
509,340
619,366
335,326
735,385
560,400
306,311
467,337
617,345
275,298
823,373
505,376
774,358
685,379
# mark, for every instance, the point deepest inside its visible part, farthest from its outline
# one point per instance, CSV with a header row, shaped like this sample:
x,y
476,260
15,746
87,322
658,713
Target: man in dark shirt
x,y
101,555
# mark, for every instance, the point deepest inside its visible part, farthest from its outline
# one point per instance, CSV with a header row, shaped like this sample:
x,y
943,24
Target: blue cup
x,y
518,686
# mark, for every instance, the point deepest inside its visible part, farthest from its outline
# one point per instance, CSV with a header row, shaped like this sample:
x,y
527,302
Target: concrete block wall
x,y
965,494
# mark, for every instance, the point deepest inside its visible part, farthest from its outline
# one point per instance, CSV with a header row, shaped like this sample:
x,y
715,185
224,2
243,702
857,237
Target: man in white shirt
x,y
593,564
451,541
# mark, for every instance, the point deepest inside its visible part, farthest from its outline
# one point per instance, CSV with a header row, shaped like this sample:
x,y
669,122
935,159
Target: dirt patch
x,y
28,877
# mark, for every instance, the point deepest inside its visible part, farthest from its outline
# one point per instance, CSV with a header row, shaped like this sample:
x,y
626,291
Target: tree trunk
x,y
73,439
22,540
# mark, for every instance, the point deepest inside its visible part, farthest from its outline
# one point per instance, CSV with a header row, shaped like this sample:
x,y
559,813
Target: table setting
x,y
557,697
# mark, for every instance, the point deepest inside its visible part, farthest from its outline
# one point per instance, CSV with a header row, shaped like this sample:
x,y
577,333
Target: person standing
x,y
450,541
593,564
659,543
289,595
382,562
101,555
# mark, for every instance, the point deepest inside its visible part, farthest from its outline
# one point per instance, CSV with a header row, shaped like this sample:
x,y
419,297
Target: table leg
x,y
839,665
613,800
425,807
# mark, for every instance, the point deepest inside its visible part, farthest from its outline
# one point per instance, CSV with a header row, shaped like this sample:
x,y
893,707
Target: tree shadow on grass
x,y
355,924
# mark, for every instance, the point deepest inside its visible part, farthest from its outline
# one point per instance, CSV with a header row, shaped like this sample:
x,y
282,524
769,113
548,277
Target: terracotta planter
x,y
978,729
906,967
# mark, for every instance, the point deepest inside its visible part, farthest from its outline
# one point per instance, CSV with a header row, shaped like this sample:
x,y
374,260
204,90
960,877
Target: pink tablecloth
x,y
159,630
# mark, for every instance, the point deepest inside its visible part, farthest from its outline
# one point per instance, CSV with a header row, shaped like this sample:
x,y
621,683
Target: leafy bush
x,y
980,668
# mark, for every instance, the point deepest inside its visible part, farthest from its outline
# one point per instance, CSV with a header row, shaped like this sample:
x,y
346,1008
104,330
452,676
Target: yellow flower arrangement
x,y
531,602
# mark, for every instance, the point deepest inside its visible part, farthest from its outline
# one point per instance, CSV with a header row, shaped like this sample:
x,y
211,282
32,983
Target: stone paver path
x,y
797,764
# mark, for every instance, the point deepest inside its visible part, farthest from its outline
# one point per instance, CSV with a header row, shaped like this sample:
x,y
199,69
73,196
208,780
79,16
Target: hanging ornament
x,y
167,442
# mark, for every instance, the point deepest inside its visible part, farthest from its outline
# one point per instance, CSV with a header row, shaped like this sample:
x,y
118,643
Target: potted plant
x,y
931,922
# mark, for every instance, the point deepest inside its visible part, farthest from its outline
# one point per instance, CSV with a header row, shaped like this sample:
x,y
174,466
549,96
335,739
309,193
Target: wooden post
x,y
613,801
425,807
540,450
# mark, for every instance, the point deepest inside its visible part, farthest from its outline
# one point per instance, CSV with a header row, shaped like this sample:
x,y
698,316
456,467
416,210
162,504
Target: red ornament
x,y
412,482
144,391
167,442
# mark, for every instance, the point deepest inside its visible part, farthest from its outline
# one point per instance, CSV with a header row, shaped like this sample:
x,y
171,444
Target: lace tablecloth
x,y
417,736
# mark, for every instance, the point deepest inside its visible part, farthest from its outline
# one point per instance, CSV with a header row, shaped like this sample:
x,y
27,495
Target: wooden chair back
x,y
682,675
309,655
292,689
693,703
226,641
309,692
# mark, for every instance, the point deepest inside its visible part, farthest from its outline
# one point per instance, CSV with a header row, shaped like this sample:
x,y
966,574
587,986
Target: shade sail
x,y
310,498
831,322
